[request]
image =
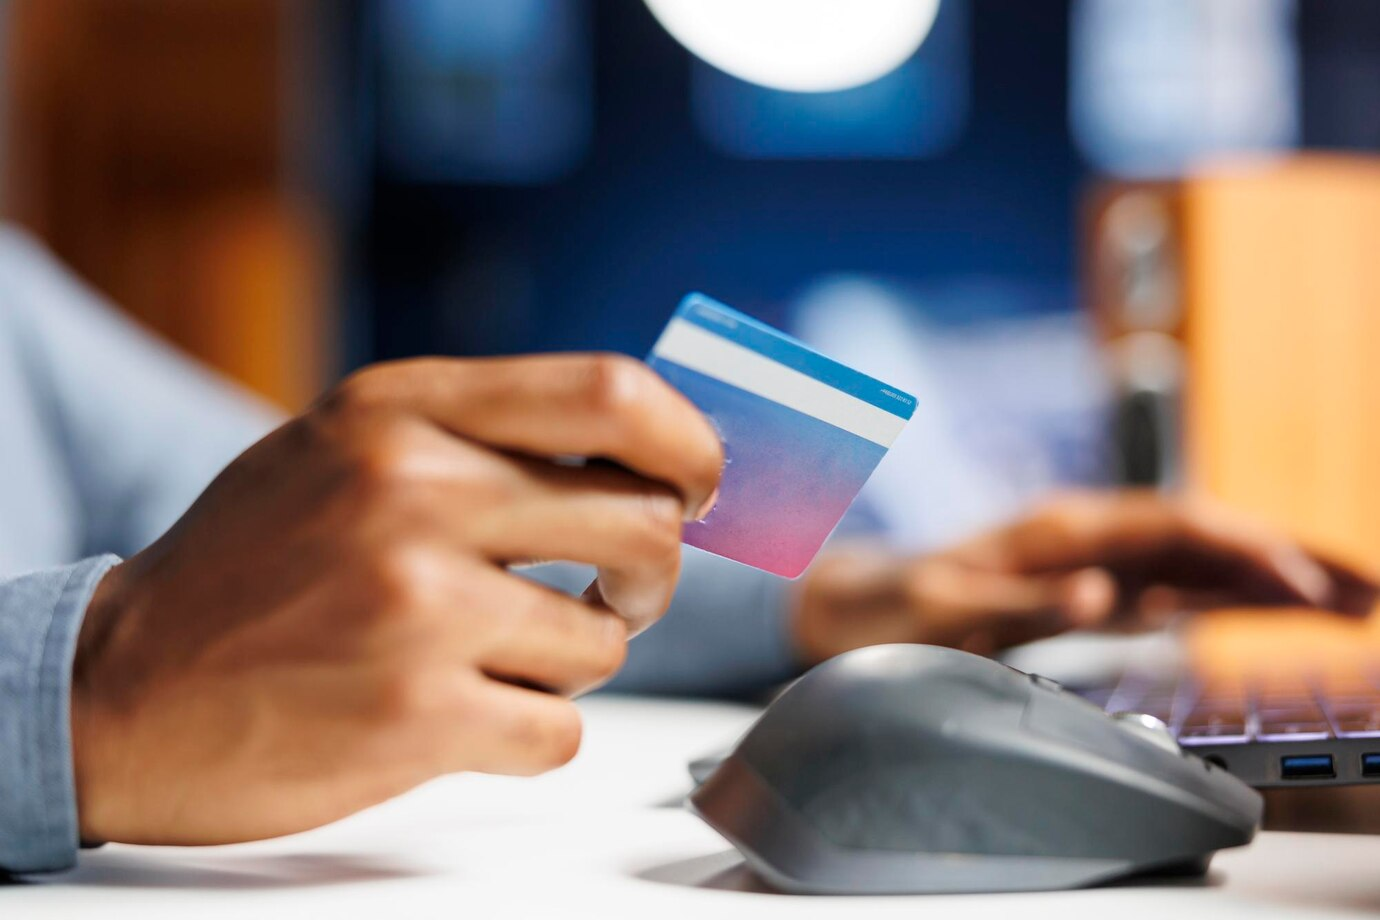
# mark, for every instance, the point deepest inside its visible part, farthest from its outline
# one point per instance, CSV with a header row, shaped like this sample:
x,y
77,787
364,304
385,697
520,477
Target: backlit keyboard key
x,y
1220,721
1356,718
1292,720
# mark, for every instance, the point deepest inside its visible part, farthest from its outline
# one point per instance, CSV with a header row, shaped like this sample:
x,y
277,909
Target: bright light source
x,y
801,45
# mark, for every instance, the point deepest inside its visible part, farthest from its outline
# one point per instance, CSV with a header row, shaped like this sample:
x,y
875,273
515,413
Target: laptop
x,y
1299,731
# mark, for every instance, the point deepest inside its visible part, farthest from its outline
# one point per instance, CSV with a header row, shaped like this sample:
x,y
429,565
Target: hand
x,y
332,622
1123,560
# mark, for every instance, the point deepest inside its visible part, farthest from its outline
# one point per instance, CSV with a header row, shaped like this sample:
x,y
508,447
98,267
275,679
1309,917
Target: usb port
x,y
1308,766
1370,764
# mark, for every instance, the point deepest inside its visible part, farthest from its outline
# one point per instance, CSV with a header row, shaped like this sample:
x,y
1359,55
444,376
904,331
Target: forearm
x,y
40,617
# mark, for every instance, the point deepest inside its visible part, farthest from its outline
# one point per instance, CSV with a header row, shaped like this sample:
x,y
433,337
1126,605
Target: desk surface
x,y
605,837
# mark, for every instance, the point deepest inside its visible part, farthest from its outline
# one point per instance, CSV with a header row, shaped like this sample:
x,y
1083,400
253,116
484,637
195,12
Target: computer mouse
x,y
904,769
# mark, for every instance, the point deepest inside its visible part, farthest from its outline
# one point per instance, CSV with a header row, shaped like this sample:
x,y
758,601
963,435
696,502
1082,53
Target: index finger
x,y
584,405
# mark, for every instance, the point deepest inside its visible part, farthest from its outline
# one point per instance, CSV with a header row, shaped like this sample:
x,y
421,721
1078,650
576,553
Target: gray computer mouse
x,y
908,768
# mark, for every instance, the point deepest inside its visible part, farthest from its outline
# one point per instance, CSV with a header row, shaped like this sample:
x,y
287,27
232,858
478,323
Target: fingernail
x,y
1091,596
1305,576
703,511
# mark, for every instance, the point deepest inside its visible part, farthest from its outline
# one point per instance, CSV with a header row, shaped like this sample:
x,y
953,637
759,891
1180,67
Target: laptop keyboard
x,y
1274,710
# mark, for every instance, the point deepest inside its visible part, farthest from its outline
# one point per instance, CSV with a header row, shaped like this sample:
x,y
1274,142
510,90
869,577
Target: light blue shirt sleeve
x,y
136,429
40,617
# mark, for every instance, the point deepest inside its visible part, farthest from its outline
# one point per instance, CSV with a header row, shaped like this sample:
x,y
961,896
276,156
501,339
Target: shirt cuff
x,y
40,617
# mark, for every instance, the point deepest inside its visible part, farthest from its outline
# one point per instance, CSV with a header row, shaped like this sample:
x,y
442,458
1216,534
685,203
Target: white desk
x,y
601,839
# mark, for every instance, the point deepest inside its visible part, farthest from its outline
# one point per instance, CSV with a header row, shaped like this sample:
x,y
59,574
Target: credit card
x,y
801,432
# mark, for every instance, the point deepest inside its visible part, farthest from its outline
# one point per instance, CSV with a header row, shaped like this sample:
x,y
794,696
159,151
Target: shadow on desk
x,y
126,869
726,871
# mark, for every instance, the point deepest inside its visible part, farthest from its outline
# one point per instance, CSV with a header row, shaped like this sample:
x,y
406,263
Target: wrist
x,y
91,718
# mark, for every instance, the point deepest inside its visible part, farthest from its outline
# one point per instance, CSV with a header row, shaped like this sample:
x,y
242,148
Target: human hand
x,y
333,622
1129,560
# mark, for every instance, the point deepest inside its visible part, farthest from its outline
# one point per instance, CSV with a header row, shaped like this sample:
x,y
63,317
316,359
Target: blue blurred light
x,y
473,91
918,110
1158,86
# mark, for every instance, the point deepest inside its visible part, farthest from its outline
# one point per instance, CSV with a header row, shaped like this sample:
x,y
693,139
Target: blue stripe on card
x,y
728,323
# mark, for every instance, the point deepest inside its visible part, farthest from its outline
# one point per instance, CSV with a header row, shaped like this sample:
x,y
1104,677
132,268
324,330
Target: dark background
x,y
597,257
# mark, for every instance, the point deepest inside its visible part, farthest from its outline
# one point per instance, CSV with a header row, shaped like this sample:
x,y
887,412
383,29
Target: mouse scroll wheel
x,y
1148,727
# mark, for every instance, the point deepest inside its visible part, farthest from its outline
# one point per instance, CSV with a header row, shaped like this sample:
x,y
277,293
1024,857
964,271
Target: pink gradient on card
x,y
788,480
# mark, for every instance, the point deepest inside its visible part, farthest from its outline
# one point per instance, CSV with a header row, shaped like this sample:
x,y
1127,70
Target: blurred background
x,y
1105,241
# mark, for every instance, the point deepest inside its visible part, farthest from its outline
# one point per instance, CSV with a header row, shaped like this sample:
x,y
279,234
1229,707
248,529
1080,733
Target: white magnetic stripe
x,y
700,350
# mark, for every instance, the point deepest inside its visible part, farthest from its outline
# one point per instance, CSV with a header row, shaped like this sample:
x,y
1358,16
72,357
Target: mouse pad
x,y
801,432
